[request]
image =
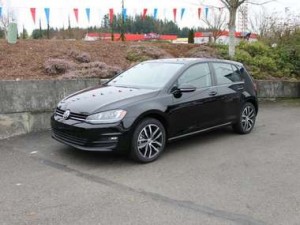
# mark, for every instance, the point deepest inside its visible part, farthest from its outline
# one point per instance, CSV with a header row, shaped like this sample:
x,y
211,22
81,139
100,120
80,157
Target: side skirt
x,y
199,131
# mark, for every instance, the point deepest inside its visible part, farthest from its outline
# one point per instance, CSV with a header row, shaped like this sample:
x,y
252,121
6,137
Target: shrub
x,y
255,48
58,66
82,57
265,63
191,37
139,53
243,56
97,69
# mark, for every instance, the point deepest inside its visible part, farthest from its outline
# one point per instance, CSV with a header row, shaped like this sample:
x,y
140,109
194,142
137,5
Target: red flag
x,y
76,14
144,13
199,13
174,14
33,11
111,15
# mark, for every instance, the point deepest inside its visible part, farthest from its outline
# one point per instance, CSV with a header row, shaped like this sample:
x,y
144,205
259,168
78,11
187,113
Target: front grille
x,y
69,137
73,116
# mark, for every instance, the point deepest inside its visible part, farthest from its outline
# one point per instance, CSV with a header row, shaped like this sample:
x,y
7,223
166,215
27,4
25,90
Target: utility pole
x,y
243,17
122,36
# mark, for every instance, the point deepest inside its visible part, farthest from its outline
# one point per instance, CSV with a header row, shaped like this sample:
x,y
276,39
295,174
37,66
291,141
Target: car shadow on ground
x,y
88,159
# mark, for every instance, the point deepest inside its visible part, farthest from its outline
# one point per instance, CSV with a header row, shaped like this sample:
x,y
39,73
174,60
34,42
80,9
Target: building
x,y
129,37
204,37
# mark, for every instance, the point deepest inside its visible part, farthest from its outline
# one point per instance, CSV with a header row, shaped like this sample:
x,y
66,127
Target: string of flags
x,y
145,12
155,13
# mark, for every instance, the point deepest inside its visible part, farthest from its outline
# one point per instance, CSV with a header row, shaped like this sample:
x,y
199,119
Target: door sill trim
x,y
199,131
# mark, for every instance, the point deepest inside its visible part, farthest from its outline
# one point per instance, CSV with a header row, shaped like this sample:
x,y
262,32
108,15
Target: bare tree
x,y
216,24
232,6
5,20
275,28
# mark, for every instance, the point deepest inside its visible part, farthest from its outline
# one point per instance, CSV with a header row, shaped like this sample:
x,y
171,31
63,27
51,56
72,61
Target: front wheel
x,y
148,140
246,120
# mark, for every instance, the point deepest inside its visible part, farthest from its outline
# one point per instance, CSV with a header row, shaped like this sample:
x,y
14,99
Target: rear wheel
x,y
148,140
246,120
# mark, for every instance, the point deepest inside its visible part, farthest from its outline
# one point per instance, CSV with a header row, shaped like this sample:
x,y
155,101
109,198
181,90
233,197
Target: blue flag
x,y
155,13
206,12
47,12
182,12
88,13
124,14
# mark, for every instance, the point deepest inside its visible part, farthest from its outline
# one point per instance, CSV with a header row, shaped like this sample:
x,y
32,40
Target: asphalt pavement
x,y
213,178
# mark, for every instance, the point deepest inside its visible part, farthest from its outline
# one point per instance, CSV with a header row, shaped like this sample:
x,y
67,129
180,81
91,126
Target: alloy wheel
x,y
150,141
248,118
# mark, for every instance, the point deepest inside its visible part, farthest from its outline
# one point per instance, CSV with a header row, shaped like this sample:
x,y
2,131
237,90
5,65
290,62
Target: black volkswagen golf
x,y
157,101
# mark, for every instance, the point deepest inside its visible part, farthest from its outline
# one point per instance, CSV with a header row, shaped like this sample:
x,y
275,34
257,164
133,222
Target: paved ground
x,y
215,178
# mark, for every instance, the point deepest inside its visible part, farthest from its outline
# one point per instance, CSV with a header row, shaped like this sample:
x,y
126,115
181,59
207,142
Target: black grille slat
x,y
69,138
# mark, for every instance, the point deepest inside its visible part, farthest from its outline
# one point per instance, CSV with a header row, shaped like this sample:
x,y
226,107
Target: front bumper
x,y
90,137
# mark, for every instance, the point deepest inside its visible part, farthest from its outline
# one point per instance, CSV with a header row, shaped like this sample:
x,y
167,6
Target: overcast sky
x,y
60,10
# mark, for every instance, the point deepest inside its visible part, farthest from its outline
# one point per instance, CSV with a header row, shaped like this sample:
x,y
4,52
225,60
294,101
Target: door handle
x,y
213,93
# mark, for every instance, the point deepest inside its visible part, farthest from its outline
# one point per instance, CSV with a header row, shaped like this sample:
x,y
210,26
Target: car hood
x,y
93,100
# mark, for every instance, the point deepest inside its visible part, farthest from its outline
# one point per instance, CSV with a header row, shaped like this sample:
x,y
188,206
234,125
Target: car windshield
x,y
153,75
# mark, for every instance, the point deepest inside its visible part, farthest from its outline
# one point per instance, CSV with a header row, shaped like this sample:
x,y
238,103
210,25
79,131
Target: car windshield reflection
x,y
151,75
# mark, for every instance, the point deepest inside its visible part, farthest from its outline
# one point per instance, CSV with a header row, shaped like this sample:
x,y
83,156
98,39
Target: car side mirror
x,y
185,88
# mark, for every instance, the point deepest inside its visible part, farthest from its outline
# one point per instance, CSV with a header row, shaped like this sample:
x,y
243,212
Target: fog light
x,y
114,138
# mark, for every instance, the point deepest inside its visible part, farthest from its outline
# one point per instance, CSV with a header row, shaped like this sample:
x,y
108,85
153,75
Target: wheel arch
x,y
253,102
156,114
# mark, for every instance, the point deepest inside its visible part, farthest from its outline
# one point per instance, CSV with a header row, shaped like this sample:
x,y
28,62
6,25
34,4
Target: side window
x,y
226,73
237,75
197,75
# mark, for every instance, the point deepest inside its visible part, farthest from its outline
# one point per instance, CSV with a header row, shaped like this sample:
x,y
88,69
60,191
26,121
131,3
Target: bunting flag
x,y
47,12
144,13
33,11
155,13
175,14
182,13
76,14
206,12
0,12
111,15
124,13
199,13
88,14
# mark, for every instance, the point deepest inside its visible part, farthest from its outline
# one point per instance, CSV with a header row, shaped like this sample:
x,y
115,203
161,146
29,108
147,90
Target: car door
x,y
230,87
194,110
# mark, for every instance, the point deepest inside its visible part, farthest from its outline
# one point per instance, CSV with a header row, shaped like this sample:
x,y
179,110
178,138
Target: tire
x,y
148,141
246,120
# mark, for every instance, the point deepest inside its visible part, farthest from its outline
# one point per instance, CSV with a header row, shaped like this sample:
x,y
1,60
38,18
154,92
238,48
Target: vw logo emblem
x,y
66,115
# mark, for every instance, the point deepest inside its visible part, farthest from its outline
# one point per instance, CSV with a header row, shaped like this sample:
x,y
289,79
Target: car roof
x,y
188,61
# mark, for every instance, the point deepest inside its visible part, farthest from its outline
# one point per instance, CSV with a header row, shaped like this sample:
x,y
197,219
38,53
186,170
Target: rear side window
x,y
197,75
226,73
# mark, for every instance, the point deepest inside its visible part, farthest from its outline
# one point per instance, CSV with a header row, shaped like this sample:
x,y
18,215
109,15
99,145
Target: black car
x,y
157,101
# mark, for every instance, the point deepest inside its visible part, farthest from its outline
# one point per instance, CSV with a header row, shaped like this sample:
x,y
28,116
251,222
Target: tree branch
x,y
263,3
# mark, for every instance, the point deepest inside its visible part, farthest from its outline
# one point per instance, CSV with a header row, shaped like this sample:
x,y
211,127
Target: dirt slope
x,y
29,59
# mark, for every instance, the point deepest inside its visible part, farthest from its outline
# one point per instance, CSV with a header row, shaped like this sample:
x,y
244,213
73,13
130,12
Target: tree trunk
x,y
231,49
231,26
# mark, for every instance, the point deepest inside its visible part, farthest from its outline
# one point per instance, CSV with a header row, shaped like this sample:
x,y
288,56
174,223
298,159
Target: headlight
x,y
112,116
